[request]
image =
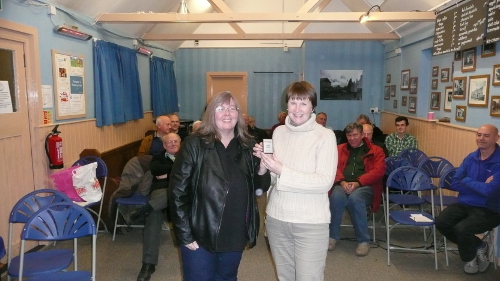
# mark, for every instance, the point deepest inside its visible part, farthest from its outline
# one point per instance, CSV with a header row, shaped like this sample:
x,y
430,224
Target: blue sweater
x,y
470,181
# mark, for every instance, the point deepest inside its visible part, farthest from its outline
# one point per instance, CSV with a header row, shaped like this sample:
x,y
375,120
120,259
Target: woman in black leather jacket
x,y
212,187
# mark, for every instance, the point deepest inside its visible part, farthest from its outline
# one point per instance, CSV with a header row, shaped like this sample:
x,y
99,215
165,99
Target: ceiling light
x,y
364,17
144,51
72,32
183,9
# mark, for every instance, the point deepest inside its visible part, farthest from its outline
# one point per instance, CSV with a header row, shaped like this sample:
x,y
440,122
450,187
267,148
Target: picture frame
x,y
495,106
445,75
460,113
413,85
488,50
436,100
395,104
404,99
496,75
459,88
435,71
434,84
393,90
458,55
388,78
387,94
448,98
405,79
469,60
412,104
479,86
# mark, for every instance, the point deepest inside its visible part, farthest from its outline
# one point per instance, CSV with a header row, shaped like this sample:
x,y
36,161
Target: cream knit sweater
x,y
309,156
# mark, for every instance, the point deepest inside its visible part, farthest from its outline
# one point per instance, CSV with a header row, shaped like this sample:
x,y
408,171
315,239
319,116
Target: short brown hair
x,y
353,126
302,90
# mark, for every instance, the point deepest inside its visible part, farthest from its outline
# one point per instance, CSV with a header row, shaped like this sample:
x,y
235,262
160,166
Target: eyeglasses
x,y
223,109
172,141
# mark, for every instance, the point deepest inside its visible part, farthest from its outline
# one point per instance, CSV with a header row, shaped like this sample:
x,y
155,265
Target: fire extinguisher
x,y
54,150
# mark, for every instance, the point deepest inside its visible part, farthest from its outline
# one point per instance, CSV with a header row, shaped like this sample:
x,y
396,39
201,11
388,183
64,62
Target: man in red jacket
x,y
358,183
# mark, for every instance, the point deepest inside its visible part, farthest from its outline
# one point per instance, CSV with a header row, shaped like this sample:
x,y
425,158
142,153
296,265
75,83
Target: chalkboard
x,y
462,27
493,27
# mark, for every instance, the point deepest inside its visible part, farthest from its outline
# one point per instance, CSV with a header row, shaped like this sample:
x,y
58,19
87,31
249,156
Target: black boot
x,y
146,270
135,214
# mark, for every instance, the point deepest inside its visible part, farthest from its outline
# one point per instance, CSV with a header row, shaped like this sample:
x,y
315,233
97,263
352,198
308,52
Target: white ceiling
x,y
93,8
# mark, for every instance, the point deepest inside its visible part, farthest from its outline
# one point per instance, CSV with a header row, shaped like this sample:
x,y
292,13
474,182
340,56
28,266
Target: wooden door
x,y
234,82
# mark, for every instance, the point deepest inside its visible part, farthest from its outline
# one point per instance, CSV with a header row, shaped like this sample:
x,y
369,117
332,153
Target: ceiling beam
x,y
272,36
221,7
303,25
263,17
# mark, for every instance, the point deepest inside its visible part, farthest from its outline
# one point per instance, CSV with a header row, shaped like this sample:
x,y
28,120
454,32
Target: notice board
x,y
69,88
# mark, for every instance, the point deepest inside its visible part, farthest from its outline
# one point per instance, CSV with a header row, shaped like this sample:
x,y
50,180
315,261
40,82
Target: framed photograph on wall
x,y
393,90
435,71
434,84
496,75
413,85
448,98
412,107
460,113
387,94
435,100
405,79
469,60
479,86
458,55
395,104
459,87
403,100
495,106
488,50
388,78
445,75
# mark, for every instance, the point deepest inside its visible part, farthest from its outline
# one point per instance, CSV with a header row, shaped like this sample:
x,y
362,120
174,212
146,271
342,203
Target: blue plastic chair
x,y
101,172
437,167
414,156
56,222
410,179
135,199
22,211
392,163
2,248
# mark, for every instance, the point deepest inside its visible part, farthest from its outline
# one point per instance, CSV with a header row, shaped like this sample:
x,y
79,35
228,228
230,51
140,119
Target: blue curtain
x,y
116,84
163,86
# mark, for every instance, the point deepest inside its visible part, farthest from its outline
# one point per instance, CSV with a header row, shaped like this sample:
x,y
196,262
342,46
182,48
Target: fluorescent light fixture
x,y
144,51
364,17
183,9
72,32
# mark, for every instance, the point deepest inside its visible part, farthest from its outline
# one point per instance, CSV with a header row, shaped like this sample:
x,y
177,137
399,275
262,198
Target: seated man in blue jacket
x,y
477,181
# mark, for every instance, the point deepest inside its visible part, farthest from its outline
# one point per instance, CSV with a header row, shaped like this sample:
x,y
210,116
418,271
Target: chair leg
x,y
116,220
446,251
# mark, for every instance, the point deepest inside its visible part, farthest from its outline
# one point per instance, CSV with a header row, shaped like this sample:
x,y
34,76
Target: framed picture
x,y
459,87
445,75
460,113
435,71
448,98
388,78
479,86
405,79
403,100
412,104
495,106
434,84
469,60
458,55
395,103
393,90
387,94
413,85
435,100
488,50
496,75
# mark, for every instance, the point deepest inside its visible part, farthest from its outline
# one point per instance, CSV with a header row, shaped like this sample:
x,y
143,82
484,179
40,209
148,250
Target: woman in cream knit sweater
x,y
302,169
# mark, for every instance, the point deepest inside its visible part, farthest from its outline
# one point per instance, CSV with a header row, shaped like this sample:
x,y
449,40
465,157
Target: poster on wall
x,y
68,85
341,85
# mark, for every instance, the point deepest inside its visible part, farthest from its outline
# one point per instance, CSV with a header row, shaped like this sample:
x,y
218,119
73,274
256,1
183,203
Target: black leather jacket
x,y
198,192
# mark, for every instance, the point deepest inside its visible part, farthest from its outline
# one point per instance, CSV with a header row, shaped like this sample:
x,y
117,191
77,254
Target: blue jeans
x,y
355,203
202,265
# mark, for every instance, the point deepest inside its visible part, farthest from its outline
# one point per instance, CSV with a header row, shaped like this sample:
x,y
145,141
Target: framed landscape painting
x,y
479,86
